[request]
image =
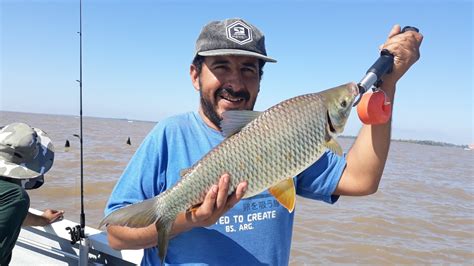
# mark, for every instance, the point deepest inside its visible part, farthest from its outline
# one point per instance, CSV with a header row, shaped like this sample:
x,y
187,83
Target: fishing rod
x,y
77,233
82,215
374,108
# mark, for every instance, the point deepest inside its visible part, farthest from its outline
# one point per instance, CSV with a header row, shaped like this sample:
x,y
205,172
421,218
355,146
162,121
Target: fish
x,y
266,149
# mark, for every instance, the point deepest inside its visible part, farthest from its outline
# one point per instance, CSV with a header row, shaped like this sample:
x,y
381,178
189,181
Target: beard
x,y
210,109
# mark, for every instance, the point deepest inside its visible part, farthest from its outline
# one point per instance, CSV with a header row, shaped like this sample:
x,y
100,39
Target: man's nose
x,y
235,81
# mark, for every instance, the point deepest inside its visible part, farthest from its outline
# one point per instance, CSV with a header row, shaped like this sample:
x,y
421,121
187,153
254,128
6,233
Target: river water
x,y
423,212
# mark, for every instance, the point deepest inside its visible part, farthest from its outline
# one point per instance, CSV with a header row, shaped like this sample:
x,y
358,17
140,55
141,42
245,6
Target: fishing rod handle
x,y
383,65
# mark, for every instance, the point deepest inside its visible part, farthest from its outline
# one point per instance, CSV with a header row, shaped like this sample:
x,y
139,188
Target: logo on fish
x,y
239,32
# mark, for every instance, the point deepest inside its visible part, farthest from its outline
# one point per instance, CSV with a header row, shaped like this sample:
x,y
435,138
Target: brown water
x,y
423,212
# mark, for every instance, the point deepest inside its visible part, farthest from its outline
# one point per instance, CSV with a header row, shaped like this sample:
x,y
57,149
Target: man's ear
x,y
193,73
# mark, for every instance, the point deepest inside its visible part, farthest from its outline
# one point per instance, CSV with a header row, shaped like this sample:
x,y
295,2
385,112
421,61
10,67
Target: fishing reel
x,y
374,108
77,233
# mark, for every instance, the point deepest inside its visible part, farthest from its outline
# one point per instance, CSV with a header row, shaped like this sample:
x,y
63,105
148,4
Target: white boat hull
x,y
50,245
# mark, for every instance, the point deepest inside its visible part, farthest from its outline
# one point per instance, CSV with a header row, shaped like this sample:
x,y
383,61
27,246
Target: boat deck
x,y
50,245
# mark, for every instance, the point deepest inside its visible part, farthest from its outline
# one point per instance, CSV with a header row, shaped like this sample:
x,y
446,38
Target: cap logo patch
x,y
239,32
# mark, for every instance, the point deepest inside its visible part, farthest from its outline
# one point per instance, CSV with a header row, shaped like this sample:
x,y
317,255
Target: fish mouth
x,y
330,124
355,89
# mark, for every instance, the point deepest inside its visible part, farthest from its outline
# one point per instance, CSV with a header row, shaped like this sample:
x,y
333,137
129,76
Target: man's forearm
x,y
366,159
376,139
34,220
122,237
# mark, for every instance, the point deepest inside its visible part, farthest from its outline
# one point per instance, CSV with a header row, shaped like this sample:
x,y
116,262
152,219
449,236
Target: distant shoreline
x,y
421,142
84,116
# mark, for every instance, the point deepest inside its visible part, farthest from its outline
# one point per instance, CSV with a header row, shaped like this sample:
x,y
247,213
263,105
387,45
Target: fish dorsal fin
x,y
184,171
334,146
285,193
234,120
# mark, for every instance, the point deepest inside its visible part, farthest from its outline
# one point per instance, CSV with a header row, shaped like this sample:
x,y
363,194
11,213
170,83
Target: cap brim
x,y
237,52
37,167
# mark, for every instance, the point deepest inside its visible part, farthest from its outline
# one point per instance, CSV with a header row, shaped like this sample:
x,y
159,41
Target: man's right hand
x,y
216,203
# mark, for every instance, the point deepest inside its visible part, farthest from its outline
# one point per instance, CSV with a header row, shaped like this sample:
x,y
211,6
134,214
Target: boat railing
x,y
54,241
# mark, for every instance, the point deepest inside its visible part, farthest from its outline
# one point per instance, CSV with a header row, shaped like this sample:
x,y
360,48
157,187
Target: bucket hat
x,y
25,152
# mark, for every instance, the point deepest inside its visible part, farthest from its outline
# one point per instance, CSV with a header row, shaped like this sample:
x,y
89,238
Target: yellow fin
x,y
194,207
334,146
285,193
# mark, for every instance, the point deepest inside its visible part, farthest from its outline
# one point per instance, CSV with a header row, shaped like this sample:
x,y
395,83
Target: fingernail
x,y
214,188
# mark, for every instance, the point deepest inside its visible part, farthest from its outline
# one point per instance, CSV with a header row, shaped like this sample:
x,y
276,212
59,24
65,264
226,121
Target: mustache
x,y
223,91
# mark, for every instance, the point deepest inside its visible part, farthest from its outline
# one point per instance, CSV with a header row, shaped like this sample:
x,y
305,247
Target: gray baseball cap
x,y
25,152
232,37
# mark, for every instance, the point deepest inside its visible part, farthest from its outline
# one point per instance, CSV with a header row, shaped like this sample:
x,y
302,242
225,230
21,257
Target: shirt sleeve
x,y
142,178
319,181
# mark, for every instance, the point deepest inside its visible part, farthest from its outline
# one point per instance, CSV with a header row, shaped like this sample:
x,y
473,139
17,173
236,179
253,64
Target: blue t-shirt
x,y
256,231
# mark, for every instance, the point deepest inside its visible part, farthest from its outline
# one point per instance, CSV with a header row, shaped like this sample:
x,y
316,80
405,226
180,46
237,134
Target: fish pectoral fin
x,y
194,207
334,146
234,120
285,193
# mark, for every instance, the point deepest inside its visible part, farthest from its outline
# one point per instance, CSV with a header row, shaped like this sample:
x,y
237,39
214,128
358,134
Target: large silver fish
x,y
266,149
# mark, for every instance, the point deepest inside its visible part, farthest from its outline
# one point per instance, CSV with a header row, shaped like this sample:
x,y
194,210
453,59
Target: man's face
x,y
226,83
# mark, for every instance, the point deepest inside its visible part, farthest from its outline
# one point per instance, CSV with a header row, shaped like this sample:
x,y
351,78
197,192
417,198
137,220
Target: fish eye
x,y
344,103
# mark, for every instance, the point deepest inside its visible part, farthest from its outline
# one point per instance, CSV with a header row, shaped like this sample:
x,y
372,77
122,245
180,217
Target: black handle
x,y
410,28
384,64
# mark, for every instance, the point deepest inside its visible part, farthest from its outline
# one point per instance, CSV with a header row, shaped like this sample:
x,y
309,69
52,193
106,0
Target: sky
x,y
136,57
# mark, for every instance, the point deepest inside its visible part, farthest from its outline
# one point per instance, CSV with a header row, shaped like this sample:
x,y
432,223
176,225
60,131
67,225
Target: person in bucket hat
x,y
26,154
226,71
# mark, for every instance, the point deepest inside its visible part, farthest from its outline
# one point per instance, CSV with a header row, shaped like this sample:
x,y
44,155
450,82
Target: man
x,y
26,154
226,71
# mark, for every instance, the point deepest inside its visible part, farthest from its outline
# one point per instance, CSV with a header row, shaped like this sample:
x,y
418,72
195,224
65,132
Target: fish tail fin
x,y
135,215
143,214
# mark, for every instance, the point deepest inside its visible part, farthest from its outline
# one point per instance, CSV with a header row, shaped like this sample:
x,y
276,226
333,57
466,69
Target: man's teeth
x,y
232,99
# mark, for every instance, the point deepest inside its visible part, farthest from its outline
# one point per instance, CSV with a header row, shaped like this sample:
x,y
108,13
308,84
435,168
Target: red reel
x,y
374,108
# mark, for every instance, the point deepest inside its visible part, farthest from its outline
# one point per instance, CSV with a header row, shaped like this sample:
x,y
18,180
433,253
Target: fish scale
x,y
272,148
289,138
